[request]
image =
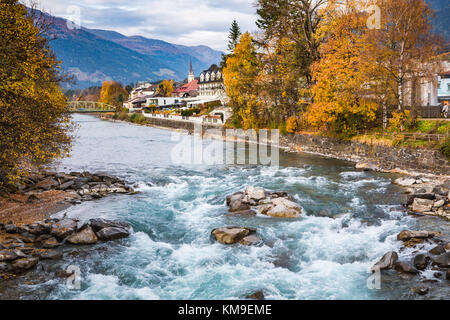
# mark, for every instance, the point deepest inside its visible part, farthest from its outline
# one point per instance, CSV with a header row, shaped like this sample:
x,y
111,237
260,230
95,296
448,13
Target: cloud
x,y
199,22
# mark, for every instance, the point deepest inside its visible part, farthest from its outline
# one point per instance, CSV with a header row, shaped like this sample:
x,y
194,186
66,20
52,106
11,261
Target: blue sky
x,y
188,22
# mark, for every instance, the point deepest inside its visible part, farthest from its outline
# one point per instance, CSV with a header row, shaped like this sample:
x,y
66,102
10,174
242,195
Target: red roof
x,y
188,87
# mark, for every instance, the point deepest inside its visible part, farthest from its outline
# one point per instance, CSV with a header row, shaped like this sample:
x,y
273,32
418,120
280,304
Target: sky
x,y
187,22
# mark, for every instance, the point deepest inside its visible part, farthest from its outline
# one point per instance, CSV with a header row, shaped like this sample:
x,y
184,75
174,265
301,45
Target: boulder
x,y
408,235
258,295
64,228
422,205
47,184
447,246
251,240
404,267
38,229
112,233
438,250
439,203
284,208
424,195
442,260
238,205
421,262
50,255
387,262
24,264
98,224
447,274
231,235
66,185
255,193
50,243
84,237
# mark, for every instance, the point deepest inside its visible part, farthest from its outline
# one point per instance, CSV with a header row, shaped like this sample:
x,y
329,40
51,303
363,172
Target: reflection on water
x,y
351,219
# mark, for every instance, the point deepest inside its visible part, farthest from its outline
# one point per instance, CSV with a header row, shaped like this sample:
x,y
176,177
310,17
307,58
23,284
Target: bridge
x,y
90,107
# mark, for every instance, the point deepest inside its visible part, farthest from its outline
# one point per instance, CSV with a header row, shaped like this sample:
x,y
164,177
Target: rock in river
x,y
421,261
442,261
231,235
112,233
84,237
387,262
404,267
24,264
408,235
64,228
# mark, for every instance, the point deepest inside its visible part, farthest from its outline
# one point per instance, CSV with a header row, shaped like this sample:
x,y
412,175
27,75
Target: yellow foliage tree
x,y
165,88
34,122
342,101
241,81
113,93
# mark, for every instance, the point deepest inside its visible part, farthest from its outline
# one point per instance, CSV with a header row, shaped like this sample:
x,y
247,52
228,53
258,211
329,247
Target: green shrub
x,y
444,128
123,116
137,118
425,126
445,147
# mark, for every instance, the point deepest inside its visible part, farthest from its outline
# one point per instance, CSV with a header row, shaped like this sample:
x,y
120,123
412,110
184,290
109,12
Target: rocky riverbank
x,y
28,234
427,196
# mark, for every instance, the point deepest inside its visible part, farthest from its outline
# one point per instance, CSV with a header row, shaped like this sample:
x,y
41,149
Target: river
x,y
171,255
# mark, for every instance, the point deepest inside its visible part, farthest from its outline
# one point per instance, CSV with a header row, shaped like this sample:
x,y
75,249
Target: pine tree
x,y
234,36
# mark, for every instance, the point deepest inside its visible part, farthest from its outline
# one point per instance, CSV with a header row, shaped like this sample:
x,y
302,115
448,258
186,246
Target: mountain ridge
x,y
94,55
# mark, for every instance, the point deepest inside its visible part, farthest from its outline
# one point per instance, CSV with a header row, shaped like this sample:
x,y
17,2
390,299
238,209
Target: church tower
x,y
191,76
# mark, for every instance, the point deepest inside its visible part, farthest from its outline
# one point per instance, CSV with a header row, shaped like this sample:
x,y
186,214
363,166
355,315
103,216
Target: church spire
x,y
191,76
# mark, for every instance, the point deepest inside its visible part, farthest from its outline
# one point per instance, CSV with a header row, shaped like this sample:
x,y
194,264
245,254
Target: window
x,y
448,86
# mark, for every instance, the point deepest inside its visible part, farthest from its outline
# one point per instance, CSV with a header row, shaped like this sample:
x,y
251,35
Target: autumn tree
x,y
342,98
404,47
165,88
241,81
113,93
34,122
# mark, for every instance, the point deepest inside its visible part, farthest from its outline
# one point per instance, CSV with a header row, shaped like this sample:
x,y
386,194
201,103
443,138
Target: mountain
x,y
94,56
441,21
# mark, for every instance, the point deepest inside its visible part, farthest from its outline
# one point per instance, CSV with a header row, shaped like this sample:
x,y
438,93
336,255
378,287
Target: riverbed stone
x,y
50,243
284,208
258,295
405,267
387,261
422,205
64,228
24,264
439,203
100,223
421,262
47,184
406,235
11,228
231,235
255,193
438,250
251,240
85,237
238,205
112,233
50,255
442,260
